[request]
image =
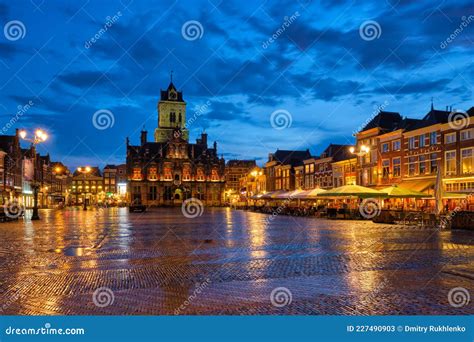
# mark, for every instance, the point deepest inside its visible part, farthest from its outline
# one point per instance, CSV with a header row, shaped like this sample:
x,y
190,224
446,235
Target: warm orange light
x,y
79,169
88,169
23,134
352,149
58,169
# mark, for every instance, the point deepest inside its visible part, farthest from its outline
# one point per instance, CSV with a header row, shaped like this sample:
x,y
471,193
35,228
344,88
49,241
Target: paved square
x,y
109,261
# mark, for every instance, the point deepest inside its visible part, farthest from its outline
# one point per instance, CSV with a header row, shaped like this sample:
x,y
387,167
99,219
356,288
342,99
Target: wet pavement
x,y
109,261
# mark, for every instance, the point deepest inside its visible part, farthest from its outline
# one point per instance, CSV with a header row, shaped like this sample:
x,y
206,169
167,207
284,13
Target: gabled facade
x,y
170,170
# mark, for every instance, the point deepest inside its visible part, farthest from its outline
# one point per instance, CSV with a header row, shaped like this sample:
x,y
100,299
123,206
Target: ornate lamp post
x,y
39,137
84,171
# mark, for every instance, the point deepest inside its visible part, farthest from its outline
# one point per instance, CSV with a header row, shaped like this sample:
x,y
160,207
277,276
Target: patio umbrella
x,y
277,193
353,191
438,192
309,194
287,194
397,192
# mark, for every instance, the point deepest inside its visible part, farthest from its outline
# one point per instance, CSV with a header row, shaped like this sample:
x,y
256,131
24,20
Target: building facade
x,y
234,171
86,186
171,169
323,174
280,169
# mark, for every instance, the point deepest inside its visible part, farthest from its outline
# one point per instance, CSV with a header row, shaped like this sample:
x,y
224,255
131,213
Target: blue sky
x,y
320,70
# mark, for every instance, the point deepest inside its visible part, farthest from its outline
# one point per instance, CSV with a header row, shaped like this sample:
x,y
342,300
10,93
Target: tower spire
x,y
171,76
432,107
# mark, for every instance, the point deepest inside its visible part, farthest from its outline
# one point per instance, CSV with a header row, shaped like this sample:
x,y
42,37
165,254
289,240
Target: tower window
x,y
172,117
180,117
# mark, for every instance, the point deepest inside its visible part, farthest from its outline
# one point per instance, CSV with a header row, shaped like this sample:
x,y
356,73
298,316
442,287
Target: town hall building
x,y
170,169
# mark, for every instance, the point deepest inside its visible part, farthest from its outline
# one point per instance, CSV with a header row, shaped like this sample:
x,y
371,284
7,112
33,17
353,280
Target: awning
x,y
417,185
454,195
353,191
396,191
309,194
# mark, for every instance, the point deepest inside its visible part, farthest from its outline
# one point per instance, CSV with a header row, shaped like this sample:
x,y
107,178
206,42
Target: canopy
x,y
309,194
272,194
454,195
418,184
353,190
398,192
287,194
256,197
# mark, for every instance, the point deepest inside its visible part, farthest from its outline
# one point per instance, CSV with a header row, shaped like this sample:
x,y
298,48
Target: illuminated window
x,y
167,173
396,167
450,166
186,173
200,174
422,165
137,173
385,168
396,145
412,165
467,160
152,174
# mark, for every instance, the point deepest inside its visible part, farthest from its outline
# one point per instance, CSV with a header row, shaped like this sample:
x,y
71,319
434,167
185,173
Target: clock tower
x,y
171,114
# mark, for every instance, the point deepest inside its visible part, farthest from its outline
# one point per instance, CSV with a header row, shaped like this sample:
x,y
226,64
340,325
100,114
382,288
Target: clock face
x,y
173,95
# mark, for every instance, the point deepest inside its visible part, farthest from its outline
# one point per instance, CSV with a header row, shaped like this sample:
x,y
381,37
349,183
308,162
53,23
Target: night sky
x,y
323,68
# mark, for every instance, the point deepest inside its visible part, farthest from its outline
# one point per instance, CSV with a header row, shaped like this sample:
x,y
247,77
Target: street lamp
x,y
362,152
84,171
39,137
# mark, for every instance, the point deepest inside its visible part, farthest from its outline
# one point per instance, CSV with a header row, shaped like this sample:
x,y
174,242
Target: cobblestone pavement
x,y
229,262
